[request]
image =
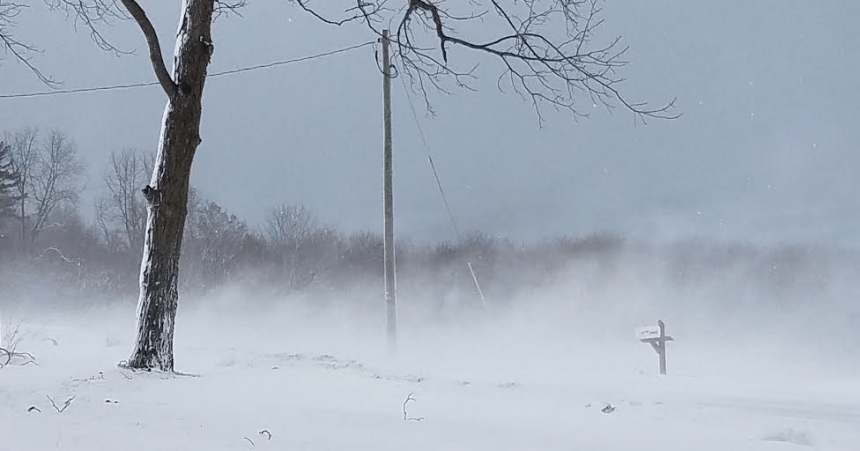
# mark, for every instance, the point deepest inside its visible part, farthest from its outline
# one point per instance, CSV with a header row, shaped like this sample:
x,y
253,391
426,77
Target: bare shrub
x,y
9,342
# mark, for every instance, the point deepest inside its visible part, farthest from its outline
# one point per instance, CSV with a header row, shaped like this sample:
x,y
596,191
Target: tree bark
x,y
167,193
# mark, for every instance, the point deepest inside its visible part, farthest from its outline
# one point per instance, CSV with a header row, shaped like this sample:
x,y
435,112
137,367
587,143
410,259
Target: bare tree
x,y
290,229
289,225
306,250
167,196
216,240
122,209
167,193
24,155
56,179
360,258
545,47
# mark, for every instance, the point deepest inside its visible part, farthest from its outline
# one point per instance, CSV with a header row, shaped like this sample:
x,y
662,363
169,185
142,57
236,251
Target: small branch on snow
x,y
65,405
264,432
99,377
406,416
10,354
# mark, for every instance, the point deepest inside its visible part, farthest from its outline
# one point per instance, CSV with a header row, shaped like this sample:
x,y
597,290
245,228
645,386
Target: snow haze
x,y
736,224
755,365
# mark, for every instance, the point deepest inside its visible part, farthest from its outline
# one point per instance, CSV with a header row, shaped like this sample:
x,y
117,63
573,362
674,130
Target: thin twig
x,y
406,416
13,338
544,48
65,405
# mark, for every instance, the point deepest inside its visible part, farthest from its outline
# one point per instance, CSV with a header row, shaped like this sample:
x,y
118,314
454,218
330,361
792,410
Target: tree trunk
x,y
167,194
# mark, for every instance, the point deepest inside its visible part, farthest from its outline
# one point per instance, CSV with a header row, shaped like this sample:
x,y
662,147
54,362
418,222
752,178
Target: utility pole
x,y
388,201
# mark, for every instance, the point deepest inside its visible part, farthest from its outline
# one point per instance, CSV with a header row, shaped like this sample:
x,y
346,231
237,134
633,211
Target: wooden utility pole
x,y
388,200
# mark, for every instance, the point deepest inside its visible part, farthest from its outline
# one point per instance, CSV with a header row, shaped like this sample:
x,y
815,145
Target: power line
x,y
292,61
414,114
444,200
74,91
442,192
213,75
432,165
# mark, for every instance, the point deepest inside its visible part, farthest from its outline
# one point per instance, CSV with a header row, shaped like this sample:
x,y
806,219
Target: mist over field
x,y
698,171
281,328
735,310
764,356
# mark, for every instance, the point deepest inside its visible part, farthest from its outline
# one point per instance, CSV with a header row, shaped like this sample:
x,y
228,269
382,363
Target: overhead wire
x,y
430,158
212,75
441,190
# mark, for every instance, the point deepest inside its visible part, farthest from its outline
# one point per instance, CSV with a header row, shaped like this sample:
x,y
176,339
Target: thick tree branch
x,y
154,47
93,15
437,22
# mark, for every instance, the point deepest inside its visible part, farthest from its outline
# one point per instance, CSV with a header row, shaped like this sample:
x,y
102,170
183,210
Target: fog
x,y
735,224
764,354
736,312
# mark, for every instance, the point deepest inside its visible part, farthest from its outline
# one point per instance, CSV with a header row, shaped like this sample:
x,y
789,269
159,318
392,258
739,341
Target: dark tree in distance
x,y
55,180
121,211
25,157
9,181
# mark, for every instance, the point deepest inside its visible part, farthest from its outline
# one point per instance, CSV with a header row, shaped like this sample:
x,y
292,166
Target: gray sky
x,y
766,149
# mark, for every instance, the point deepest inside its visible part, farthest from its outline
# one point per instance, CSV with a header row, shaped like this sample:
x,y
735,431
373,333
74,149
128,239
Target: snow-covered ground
x,y
286,380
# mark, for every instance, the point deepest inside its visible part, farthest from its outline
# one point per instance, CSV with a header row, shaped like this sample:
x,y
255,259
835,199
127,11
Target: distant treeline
x,y
51,252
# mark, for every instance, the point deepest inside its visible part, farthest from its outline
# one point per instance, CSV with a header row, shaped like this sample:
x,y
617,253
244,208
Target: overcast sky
x,y
766,149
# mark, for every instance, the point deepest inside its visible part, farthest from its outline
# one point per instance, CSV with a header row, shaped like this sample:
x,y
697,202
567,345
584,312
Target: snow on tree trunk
x,y
167,194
